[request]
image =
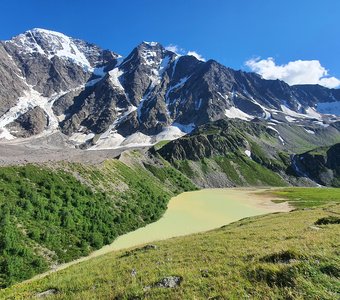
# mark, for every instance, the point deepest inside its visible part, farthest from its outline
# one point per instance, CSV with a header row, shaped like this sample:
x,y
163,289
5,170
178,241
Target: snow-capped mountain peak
x,y
82,90
152,44
51,43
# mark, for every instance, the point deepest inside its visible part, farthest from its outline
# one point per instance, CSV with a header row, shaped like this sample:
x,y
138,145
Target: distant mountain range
x,y
50,82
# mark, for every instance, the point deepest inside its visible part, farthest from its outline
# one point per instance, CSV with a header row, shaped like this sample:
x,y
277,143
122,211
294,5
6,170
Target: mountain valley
x,y
94,145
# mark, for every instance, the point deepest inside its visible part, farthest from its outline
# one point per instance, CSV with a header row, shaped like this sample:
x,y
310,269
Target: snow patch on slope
x,y
198,104
137,139
152,44
235,113
281,139
274,129
150,57
310,112
113,140
278,133
51,43
248,153
170,133
163,66
292,115
31,99
97,72
179,84
290,119
188,128
110,139
309,131
290,112
115,75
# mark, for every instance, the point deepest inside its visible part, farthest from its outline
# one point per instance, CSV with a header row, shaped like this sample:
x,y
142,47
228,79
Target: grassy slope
x,y
237,167
216,152
309,197
298,140
50,216
276,256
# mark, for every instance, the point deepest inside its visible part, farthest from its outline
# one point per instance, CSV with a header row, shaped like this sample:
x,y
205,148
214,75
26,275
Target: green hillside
x,y
54,214
277,256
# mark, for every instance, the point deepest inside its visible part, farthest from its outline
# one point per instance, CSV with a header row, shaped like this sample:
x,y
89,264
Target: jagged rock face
x,y
333,158
321,165
52,62
165,89
51,65
64,103
95,108
33,122
142,70
11,85
313,94
163,73
90,91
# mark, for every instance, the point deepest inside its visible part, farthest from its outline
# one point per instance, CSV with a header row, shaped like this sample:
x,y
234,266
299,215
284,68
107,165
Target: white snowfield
x,y
235,113
138,139
309,131
115,75
289,114
311,113
58,45
31,99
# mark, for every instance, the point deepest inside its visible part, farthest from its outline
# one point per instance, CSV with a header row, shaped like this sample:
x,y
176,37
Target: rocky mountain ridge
x,y
321,165
100,100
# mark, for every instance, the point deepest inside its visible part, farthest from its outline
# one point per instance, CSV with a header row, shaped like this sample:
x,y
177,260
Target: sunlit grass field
x,y
309,197
277,256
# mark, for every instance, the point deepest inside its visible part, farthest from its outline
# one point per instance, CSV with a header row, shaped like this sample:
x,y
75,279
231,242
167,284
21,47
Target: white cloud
x,y
174,48
197,55
330,82
295,72
180,51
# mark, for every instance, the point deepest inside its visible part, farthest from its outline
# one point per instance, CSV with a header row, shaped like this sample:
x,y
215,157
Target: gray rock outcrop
x,y
32,122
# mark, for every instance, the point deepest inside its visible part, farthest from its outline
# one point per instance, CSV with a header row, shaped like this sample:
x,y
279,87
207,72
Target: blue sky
x,y
230,31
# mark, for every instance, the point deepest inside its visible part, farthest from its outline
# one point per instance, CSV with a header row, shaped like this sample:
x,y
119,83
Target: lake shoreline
x,y
196,207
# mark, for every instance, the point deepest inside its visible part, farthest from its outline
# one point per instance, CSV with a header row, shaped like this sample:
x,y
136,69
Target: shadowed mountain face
x,y
322,165
100,99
